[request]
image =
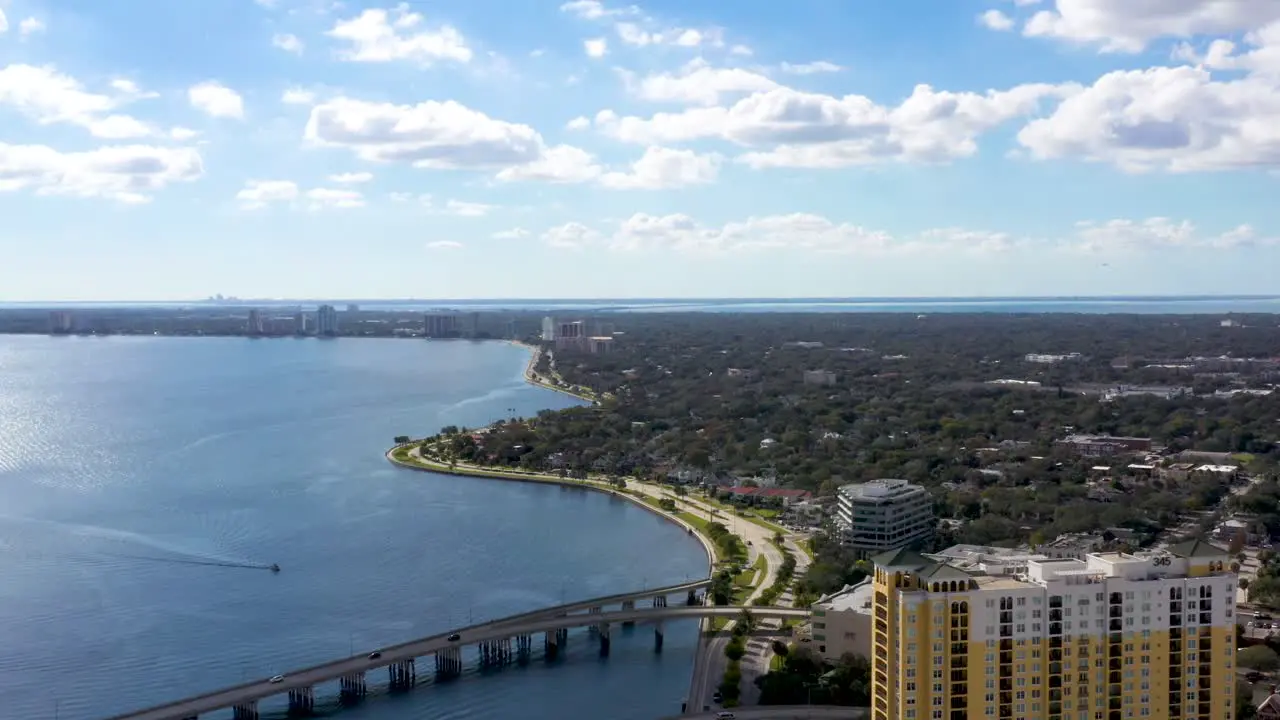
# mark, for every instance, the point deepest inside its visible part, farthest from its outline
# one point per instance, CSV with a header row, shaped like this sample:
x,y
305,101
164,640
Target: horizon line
x,y
213,300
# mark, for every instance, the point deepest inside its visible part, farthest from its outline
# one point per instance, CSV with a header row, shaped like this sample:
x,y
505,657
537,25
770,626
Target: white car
x,y
276,679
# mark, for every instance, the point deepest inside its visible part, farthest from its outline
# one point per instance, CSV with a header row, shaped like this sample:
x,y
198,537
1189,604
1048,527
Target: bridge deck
x,y
496,630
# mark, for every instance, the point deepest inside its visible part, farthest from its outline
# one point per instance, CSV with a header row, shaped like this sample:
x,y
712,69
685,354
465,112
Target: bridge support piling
x,y
403,674
246,711
594,611
524,648
551,644
449,663
657,637
301,701
352,687
660,601
628,605
692,599
603,629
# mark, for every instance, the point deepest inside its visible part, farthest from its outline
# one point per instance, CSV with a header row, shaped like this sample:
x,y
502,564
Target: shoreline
x,y
533,378
422,465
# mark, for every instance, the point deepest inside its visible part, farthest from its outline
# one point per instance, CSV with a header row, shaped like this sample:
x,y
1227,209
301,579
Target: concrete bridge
x,y
498,642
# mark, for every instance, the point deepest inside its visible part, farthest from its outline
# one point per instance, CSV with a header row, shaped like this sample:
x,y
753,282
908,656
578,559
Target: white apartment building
x,y
884,515
548,329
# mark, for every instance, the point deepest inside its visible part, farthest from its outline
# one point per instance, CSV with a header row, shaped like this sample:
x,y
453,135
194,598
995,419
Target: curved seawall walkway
x,y
409,456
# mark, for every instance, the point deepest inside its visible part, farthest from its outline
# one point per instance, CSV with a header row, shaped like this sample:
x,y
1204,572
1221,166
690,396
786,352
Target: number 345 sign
x,y
1162,560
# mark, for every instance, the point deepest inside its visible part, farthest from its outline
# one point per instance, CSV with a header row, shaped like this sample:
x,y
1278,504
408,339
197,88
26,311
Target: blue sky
x,y
154,150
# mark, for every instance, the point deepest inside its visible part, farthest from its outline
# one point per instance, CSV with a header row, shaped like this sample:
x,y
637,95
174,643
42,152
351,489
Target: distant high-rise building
x,y
353,308
326,321
299,323
548,329
61,322
511,330
571,335
440,325
472,325
255,322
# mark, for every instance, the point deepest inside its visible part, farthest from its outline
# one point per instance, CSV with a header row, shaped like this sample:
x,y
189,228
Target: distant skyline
x,y
529,149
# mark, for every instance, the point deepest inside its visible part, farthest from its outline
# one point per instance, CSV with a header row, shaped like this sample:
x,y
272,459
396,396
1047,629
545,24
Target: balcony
x,y
1113,677
959,676
1006,645
1175,607
1006,631
1117,598
1115,612
1055,655
1006,686
1006,698
1055,628
1206,618
1175,621
1115,663
1175,686
958,648
957,689
1006,658
1055,668
1116,625
1055,601
1055,681
1055,616
1006,618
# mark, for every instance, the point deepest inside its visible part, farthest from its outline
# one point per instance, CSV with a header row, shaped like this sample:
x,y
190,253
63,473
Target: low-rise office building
x,y
884,515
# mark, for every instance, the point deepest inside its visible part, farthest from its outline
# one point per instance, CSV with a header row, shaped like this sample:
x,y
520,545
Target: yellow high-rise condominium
x,y
1112,636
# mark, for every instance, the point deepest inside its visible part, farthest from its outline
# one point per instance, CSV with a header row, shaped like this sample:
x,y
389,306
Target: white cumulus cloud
x,y
49,97
380,36
444,245
595,47
30,26
697,83
298,96
288,42
996,20
788,128
125,173
351,178
1129,26
809,68
322,198
661,168
261,193
570,236
512,234
444,135
1176,119
216,100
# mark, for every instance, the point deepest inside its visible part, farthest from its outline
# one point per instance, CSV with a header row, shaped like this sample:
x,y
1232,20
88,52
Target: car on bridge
x,y
375,654
276,679
455,637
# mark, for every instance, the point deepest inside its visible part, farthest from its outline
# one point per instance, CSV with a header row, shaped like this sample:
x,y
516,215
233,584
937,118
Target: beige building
x,y
841,622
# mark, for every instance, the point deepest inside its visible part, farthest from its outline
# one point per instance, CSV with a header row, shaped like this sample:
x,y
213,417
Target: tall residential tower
x,y
1110,637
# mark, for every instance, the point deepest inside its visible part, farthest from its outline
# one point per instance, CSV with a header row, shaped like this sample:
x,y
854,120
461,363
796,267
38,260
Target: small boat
x,y
275,568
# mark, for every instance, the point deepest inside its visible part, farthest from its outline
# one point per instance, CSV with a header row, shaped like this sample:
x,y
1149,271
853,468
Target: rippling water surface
x,y
146,484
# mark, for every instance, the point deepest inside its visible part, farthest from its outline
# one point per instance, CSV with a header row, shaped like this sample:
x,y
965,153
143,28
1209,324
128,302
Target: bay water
x,y
146,485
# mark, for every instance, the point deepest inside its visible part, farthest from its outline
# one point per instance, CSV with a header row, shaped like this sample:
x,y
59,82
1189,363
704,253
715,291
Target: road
x,y
497,630
788,712
710,661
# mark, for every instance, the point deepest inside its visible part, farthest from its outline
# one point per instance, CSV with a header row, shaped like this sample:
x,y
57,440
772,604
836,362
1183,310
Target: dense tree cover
x,y
723,396
804,678
834,566
1258,657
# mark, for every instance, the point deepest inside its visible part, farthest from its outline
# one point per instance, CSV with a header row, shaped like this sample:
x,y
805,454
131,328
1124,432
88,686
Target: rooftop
x,y
879,489
851,597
